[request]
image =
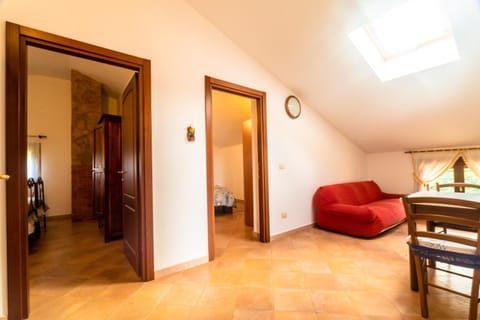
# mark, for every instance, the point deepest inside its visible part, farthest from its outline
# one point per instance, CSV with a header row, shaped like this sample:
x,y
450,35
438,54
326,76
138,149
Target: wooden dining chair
x,y
41,205
456,248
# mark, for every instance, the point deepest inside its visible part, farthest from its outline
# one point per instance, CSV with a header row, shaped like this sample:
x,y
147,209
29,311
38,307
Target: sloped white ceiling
x,y
304,43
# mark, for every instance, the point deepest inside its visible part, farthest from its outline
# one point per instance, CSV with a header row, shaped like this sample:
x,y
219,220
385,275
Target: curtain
x,y
472,160
34,163
429,166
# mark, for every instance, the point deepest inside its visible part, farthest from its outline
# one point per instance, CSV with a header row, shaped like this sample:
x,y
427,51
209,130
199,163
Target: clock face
x,y
293,107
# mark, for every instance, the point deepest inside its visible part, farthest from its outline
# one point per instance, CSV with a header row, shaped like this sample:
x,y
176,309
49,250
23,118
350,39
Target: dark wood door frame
x,y
261,135
17,39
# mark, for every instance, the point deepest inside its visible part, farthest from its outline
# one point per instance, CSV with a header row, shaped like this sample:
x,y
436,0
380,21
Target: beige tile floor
x,y
312,274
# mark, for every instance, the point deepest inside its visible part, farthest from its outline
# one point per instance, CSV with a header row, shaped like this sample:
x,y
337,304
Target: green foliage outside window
x,y
470,177
447,177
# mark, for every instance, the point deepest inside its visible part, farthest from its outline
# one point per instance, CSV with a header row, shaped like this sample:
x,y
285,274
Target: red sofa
x,y
357,208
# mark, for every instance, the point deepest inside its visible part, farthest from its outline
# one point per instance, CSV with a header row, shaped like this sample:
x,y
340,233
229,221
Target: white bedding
x,y
224,197
31,223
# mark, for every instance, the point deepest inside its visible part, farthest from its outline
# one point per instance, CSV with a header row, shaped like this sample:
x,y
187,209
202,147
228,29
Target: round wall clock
x,y
293,107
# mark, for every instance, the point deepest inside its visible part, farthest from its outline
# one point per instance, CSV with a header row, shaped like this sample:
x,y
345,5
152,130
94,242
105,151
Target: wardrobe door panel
x,y
107,179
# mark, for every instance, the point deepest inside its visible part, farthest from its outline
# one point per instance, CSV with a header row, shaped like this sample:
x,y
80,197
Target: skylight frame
x,y
428,52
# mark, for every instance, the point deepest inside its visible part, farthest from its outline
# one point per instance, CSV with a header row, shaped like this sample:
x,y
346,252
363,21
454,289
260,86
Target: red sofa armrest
x,y
355,213
390,195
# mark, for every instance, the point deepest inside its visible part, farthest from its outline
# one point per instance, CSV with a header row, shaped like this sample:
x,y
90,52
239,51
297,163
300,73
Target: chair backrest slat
x,y
474,221
460,185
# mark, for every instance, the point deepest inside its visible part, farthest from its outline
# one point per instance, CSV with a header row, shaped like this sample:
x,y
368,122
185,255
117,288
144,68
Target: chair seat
x,y
443,245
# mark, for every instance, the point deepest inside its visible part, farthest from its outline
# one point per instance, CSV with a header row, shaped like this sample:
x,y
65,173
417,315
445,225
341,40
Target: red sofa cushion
x,y
357,208
355,193
389,211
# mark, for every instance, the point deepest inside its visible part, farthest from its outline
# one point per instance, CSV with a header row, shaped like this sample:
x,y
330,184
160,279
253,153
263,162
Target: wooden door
x,y
130,207
248,172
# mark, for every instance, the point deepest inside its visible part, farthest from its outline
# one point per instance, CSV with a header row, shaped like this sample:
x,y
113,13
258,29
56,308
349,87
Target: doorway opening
x,y
258,138
234,161
18,39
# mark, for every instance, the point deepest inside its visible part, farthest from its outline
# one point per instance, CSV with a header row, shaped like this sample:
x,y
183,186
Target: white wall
x,y
183,48
393,171
312,153
49,114
110,104
228,168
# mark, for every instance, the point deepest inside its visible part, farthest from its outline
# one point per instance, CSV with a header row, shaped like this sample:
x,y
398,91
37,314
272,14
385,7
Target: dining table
x,y
475,197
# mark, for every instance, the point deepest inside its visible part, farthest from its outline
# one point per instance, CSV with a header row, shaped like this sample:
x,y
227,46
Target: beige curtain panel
x,y
429,166
472,160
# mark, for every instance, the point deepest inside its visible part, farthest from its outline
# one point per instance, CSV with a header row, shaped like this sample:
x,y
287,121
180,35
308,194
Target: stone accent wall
x,y
86,111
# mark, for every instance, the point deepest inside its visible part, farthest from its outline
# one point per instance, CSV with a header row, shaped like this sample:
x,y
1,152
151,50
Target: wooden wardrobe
x,y
107,181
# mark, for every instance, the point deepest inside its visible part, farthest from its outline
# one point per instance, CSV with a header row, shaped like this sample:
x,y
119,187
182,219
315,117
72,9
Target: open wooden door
x,y
130,207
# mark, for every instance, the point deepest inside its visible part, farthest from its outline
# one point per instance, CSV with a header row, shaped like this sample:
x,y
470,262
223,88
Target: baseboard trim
x,y
290,232
180,267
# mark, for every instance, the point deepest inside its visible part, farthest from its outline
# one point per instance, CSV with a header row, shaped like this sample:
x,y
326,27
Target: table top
x,y
449,195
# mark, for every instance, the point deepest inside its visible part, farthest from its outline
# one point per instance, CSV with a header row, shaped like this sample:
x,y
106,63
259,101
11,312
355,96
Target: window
x,y
33,160
409,38
460,172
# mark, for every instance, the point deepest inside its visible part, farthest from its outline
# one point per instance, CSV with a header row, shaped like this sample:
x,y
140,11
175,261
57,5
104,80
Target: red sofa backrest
x,y
354,193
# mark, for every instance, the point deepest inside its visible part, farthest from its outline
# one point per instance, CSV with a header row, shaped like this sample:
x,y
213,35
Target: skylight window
x,y
412,37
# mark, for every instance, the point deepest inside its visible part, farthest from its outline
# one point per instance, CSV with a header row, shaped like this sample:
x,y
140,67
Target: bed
x,y
224,200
